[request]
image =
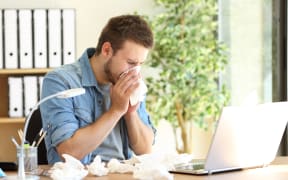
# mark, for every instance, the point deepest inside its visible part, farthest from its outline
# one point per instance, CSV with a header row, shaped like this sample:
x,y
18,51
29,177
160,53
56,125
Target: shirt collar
x,y
88,78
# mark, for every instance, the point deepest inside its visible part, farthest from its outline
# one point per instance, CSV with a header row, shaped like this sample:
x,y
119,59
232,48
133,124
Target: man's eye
x,y
132,63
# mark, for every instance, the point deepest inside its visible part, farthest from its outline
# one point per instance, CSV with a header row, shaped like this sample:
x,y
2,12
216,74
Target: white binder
x,y
25,38
54,36
30,93
15,96
1,41
10,36
68,35
40,38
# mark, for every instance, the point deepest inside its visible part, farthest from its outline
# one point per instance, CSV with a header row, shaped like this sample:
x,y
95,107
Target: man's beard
x,y
107,70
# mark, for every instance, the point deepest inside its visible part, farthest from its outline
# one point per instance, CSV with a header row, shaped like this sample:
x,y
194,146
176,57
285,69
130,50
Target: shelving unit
x,y
23,71
9,126
44,36
5,120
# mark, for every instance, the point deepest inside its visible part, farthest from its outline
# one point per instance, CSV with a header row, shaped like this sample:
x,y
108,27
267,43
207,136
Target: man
x,y
102,121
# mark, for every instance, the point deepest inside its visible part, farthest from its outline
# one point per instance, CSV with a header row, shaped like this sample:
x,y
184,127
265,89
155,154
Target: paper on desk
x,y
71,169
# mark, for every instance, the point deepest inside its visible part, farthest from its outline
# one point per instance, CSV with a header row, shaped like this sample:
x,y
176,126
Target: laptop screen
x,y
247,136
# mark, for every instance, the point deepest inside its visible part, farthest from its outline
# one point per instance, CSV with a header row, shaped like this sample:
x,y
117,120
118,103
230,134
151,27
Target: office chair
x,y
34,127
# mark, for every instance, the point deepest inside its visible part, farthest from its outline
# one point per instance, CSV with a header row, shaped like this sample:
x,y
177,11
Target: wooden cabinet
x,y
9,126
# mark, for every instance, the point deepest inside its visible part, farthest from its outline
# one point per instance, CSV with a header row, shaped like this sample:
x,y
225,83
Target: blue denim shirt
x,y
62,117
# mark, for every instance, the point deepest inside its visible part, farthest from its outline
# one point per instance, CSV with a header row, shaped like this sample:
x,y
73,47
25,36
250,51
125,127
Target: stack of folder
x,y
34,38
24,93
37,38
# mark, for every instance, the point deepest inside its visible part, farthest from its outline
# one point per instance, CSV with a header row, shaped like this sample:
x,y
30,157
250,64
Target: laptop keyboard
x,y
195,164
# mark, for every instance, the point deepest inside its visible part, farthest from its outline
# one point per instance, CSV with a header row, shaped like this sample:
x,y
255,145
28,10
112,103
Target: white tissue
x,y
151,171
97,167
70,169
133,160
139,94
115,166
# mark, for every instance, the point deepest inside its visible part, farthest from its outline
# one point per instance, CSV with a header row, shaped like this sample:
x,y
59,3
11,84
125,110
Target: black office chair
x,y
34,127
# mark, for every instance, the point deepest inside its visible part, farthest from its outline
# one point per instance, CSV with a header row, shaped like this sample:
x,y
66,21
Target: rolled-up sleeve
x,y
144,116
57,114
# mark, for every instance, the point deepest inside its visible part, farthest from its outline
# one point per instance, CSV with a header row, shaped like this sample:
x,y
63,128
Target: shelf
x,y
11,120
24,71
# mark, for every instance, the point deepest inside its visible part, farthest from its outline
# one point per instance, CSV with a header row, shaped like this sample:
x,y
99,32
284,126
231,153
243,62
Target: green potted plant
x,y
189,59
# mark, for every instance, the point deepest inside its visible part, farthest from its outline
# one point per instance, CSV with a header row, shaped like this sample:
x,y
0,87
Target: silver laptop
x,y
245,137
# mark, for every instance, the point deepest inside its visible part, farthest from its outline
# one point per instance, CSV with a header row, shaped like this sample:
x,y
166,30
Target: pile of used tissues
x,y
70,169
148,166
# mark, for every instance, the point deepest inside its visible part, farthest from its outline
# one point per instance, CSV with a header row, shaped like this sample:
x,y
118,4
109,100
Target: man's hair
x,y
125,27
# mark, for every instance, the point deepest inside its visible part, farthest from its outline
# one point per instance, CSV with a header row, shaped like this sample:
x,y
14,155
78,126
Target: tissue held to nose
x,y
139,94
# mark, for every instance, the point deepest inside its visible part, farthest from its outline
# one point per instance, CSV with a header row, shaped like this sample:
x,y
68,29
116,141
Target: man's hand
x,y
133,108
120,92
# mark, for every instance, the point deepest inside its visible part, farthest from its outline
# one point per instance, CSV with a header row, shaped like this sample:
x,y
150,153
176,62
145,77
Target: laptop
x,y
245,137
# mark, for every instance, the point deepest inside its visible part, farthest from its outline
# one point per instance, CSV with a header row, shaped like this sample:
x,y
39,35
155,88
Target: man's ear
x,y
107,49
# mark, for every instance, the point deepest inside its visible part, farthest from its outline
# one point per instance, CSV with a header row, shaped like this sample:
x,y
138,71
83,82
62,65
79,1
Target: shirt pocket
x,y
84,116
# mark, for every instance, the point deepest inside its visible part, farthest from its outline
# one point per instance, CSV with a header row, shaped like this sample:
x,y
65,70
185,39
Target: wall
x,y
92,15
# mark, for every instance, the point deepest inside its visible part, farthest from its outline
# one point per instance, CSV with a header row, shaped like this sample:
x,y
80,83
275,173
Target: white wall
x,y
92,15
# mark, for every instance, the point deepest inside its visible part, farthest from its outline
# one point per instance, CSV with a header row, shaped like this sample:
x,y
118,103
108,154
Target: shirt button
x,y
100,102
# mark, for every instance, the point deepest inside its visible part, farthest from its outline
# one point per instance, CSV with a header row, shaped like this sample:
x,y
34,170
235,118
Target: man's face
x,y
130,55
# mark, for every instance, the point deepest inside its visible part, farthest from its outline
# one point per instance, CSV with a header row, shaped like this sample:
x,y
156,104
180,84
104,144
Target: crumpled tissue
x,y
156,166
70,169
151,171
97,167
115,166
140,92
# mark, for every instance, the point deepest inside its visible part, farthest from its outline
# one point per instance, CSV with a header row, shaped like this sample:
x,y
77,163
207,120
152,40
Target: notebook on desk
x,y
245,137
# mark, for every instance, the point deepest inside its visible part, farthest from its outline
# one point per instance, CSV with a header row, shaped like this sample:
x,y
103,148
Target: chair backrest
x,y
34,127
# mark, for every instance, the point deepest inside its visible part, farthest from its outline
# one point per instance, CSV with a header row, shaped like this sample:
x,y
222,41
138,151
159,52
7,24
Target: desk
x,y
278,170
